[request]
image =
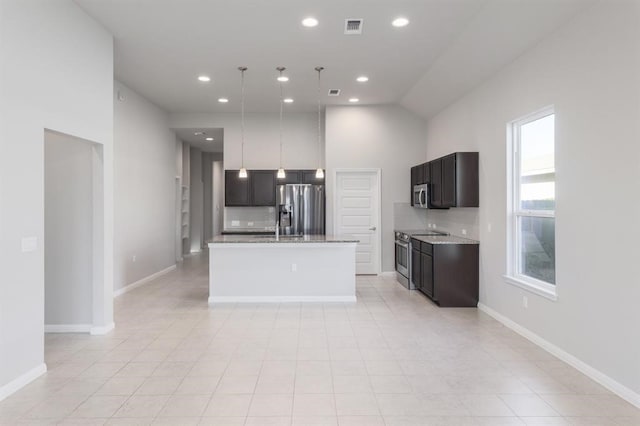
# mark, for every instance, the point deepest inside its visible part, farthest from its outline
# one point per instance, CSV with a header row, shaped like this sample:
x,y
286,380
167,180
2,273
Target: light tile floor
x,y
393,358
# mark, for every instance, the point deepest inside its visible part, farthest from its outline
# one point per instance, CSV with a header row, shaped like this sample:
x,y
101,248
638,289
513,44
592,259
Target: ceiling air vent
x,y
334,92
353,26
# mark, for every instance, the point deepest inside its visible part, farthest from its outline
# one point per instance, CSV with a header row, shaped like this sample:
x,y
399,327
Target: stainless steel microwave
x,y
421,196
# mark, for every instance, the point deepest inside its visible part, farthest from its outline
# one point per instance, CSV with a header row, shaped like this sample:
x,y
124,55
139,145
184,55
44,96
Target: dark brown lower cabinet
x,y
447,273
426,269
416,267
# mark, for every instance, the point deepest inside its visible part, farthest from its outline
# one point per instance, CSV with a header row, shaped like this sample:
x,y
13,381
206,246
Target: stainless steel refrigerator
x,y
300,209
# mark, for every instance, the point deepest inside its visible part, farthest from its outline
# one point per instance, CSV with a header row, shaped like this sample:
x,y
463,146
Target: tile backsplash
x,y
455,220
258,218
407,217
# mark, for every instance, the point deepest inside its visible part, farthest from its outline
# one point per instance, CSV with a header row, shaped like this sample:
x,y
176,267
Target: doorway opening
x,y
74,234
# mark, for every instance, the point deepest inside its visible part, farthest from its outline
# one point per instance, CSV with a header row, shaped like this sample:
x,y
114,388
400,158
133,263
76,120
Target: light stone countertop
x,y
444,239
262,239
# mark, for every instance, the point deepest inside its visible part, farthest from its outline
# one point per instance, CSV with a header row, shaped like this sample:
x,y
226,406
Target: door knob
x,y
373,228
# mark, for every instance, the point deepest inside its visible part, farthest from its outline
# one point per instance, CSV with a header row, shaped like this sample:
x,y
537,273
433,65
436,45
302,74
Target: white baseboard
x,y
390,274
21,381
97,331
614,386
78,328
67,328
142,282
279,299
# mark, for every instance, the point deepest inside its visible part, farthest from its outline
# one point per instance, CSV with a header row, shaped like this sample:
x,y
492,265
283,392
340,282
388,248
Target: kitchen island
x,y
264,268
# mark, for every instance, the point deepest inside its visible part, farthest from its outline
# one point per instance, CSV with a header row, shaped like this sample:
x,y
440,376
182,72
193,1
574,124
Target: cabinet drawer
x,y
426,248
416,244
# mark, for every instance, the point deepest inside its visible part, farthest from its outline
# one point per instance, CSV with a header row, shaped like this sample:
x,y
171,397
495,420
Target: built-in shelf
x,y
185,215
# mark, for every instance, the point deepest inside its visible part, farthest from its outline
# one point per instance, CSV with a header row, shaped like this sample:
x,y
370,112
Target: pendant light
x,y
281,173
243,172
319,171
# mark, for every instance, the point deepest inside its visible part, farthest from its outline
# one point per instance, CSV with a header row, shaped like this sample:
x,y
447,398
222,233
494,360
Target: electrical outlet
x,y
488,227
294,267
464,232
133,258
525,302
29,244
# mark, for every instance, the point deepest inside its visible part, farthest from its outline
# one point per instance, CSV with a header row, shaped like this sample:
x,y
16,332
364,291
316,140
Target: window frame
x,y
515,212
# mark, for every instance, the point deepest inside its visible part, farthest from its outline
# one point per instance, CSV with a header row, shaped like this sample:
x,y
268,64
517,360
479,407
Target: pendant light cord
x,y
242,70
319,69
281,108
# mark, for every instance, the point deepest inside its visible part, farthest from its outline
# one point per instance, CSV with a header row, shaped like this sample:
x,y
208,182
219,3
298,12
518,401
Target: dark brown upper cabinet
x,y
263,187
454,181
309,176
419,176
257,189
435,187
236,190
414,181
290,176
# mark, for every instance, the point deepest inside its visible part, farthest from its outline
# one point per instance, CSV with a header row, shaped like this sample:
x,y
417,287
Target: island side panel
x,y
282,272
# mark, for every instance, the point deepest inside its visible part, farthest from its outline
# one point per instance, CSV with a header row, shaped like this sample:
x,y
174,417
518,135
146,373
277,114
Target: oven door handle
x,y
420,197
402,244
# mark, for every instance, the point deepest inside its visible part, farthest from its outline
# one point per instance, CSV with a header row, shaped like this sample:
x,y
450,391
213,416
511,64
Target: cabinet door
x,y
419,175
435,168
416,268
414,180
263,188
291,176
309,176
426,271
449,181
426,177
236,190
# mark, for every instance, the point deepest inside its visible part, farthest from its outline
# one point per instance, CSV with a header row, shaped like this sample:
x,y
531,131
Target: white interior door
x,y
357,203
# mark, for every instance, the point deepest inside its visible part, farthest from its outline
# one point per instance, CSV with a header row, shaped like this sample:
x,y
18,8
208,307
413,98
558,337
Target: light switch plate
x,y
29,244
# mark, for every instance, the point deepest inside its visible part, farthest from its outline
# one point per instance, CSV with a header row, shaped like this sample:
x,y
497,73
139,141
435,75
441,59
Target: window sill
x,y
540,291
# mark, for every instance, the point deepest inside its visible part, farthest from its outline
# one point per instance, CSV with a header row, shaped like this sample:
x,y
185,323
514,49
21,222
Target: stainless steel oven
x,y
403,257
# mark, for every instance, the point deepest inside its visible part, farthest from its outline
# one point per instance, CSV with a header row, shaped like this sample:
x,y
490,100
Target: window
x,y
531,233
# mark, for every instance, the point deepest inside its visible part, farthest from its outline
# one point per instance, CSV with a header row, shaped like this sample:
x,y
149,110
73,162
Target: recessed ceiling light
x,y
283,78
209,139
400,22
199,133
287,100
354,100
362,79
223,100
310,22
204,78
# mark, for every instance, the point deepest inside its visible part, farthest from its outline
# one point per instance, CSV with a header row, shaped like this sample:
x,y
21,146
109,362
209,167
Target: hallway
x,y
393,358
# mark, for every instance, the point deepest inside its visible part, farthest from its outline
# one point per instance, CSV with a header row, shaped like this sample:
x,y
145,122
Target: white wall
x,y
56,73
145,171
590,71
218,197
262,138
196,209
386,137
68,227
